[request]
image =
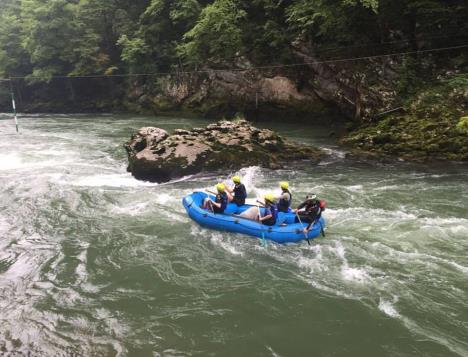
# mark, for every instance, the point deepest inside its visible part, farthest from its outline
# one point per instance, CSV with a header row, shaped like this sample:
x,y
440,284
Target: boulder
x,y
156,156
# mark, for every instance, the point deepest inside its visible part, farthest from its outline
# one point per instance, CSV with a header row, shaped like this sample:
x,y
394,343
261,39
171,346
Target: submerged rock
x,y
154,155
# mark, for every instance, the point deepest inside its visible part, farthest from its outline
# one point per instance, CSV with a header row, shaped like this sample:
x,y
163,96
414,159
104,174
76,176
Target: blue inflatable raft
x,y
284,231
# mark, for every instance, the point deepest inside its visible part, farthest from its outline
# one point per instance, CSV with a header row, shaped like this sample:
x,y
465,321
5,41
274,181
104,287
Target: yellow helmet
x,y
220,187
284,185
269,197
236,179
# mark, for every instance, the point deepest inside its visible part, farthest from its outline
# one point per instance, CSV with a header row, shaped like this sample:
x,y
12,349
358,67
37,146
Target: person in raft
x,y
309,211
271,211
285,198
220,202
239,191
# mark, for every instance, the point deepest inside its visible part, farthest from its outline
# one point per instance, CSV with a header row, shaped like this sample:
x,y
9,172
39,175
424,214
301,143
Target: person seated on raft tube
x,y
240,193
311,212
285,198
271,211
220,202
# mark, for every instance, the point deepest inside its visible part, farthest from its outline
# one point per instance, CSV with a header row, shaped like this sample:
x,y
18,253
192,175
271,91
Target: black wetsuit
x,y
311,213
240,194
283,204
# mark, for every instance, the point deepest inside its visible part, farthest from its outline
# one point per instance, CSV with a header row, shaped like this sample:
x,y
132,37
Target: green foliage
x,y
462,125
217,34
12,56
340,21
47,28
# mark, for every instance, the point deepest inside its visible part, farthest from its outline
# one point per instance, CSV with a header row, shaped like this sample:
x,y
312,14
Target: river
x,y
96,263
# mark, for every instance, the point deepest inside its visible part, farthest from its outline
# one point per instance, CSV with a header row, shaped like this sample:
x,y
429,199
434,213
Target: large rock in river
x,y
155,155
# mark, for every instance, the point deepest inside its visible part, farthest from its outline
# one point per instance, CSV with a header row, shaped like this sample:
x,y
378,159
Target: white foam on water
x,y
112,180
370,214
355,188
217,239
10,162
438,221
164,198
388,308
4,226
22,268
354,274
80,270
131,210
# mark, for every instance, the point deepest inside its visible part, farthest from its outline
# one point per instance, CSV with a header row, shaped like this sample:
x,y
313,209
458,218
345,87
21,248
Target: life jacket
x,y
273,210
223,199
240,192
284,204
314,210
323,205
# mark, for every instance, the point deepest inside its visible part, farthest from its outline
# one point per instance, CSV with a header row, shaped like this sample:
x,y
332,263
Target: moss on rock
x,y
434,126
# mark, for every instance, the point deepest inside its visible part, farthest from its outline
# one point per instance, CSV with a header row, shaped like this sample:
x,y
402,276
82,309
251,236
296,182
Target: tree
x,y
13,58
217,36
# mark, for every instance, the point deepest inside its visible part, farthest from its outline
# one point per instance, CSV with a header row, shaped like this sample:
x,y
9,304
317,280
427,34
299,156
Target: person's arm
x,y
217,204
301,206
266,217
230,197
314,214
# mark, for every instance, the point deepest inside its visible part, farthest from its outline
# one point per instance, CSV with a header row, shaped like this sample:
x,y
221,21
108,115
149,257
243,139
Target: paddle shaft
x,y
305,234
261,225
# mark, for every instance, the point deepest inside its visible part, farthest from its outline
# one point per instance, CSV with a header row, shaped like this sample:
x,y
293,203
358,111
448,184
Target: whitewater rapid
x,y
95,262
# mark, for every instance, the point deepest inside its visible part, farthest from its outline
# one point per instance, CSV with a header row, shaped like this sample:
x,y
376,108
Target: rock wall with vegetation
x,y
302,59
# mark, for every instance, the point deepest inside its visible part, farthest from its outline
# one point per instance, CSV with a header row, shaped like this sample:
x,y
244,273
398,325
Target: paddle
x,y
211,207
212,192
305,234
264,243
321,228
259,203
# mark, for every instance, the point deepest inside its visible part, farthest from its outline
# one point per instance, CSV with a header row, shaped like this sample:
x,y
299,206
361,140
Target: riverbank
x,y
432,126
429,127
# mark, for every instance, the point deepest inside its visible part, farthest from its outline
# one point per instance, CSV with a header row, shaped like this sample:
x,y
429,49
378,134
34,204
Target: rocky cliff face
x,y
311,91
155,155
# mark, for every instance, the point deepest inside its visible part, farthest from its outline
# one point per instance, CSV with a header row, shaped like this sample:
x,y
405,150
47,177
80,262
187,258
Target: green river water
x,y
96,263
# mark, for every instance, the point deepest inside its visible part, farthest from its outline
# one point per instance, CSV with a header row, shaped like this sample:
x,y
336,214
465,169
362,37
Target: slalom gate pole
x,y
13,103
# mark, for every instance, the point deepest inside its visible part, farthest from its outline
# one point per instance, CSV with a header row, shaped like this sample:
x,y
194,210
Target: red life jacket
x,y
323,205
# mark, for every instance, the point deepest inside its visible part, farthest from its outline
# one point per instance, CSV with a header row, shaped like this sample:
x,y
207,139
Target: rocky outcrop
x,y
258,96
430,128
154,155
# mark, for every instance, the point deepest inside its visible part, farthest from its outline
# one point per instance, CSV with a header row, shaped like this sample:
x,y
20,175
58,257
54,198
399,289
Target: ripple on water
x,y
93,261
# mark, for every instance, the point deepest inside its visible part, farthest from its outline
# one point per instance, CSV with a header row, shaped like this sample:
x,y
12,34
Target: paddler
x,y
239,191
270,212
285,199
220,202
309,211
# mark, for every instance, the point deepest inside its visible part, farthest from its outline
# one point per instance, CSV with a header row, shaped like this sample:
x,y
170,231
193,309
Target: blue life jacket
x,y
283,204
273,210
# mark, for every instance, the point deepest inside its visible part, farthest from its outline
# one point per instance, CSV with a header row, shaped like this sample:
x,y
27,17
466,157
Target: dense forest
x,y
356,59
